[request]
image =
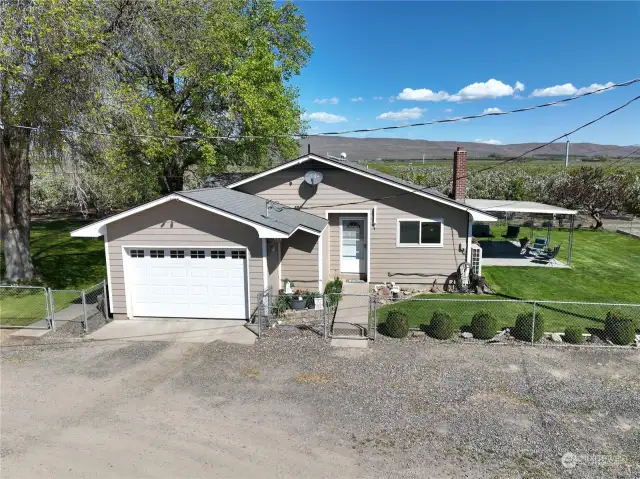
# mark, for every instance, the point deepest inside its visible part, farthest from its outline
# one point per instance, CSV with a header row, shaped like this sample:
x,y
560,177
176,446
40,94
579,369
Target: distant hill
x,y
361,149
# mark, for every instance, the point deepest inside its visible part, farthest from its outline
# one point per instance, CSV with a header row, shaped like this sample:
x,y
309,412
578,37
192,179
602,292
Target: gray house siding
x,y
300,260
178,224
404,265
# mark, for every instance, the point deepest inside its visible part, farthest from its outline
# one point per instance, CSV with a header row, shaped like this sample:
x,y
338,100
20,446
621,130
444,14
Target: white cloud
x,y
476,91
323,101
357,99
422,94
488,142
558,90
324,117
392,99
402,115
491,110
378,98
449,110
593,87
568,89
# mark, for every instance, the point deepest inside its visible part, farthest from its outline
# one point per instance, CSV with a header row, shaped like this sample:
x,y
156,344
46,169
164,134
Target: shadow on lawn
x,y
69,270
556,309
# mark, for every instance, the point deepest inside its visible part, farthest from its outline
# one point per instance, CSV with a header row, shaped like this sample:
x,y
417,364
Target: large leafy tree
x,y
204,69
45,48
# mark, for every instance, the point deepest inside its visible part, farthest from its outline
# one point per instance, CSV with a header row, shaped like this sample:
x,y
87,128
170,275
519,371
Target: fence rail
x,y
46,308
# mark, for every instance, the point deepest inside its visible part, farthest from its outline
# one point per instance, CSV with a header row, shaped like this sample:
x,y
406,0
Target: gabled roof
x,y
408,186
269,220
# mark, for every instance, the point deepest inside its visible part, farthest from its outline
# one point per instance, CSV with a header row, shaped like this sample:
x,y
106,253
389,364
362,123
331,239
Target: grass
x,y
61,262
605,270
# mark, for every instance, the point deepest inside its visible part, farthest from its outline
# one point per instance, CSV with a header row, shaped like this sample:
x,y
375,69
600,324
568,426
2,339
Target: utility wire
x,y
328,133
423,188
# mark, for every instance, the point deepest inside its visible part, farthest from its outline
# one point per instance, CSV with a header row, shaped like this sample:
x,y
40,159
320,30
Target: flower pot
x,y
298,304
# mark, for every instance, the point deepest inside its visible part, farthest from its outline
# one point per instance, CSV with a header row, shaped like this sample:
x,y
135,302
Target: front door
x,y
353,245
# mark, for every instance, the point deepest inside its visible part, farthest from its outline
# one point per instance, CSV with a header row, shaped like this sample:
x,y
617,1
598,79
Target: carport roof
x,y
509,206
270,219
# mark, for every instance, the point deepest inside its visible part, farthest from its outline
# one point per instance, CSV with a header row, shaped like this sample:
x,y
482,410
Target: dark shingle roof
x,y
253,208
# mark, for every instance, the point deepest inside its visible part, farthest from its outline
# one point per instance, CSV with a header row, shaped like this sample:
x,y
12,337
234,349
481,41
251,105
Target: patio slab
x,y
507,253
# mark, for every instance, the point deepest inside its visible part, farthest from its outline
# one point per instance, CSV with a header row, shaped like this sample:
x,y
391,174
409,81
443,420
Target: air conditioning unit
x,y
476,259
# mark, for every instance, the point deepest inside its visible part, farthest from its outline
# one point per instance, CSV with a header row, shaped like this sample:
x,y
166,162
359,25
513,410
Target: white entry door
x,y
187,283
353,245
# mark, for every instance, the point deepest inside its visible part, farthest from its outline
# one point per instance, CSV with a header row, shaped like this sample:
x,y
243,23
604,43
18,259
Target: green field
x,y
606,270
62,262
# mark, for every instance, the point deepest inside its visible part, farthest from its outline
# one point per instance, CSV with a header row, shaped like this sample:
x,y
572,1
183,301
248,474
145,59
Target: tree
x,y
205,68
593,190
632,194
45,81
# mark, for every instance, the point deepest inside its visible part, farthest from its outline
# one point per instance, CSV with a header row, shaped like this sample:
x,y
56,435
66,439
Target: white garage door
x,y
188,283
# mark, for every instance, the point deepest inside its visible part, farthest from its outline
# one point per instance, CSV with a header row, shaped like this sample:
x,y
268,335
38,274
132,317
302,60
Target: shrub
x,y
619,329
573,335
483,325
309,298
524,326
441,326
281,303
332,290
396,325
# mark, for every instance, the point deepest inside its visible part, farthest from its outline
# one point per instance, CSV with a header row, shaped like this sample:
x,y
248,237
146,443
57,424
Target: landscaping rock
x,y
556,337
499,337
384,291
466,335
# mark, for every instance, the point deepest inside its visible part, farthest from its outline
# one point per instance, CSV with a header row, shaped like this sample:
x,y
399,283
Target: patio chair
x,y
539,247
482,231
548,258
512,233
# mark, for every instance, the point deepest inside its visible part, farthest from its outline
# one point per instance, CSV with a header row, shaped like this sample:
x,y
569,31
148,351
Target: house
x,y
209,253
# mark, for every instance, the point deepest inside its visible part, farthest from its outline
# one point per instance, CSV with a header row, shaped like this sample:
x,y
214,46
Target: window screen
x,y
420,232
430,232
409,232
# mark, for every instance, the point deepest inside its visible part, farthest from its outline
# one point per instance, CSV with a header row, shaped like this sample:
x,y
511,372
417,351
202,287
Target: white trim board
x,y
477,215
94,230
343,219
106,256
125,269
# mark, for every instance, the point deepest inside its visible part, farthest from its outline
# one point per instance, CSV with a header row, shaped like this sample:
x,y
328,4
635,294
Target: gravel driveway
x,y
290,406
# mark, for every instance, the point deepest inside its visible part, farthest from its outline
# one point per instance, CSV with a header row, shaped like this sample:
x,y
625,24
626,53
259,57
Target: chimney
x,y
459,174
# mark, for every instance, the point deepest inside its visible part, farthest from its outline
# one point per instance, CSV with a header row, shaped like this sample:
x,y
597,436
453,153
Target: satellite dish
x,y
313,177
343,155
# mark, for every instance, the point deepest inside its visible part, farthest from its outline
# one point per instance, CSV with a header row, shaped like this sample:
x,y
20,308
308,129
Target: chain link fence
x,y
531,321
80,306
24,307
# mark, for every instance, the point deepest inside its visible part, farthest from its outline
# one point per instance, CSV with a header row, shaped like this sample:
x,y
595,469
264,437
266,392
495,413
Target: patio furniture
x,y
539,246
512,233
548,258
482,231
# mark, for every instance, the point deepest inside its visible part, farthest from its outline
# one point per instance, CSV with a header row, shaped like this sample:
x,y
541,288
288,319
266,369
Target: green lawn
x,y
62,262
606,269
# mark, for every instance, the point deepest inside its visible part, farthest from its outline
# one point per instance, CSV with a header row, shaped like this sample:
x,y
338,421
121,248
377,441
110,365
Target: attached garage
x,y
188,283
195,254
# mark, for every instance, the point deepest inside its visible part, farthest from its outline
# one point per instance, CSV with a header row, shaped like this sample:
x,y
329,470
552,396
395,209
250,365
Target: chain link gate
x,y
70,306
24,307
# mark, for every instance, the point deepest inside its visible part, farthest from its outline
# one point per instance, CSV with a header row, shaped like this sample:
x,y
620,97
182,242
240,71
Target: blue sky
x,y
375,51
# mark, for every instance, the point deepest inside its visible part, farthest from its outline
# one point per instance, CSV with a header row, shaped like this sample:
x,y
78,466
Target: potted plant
x,y
523,242
299,300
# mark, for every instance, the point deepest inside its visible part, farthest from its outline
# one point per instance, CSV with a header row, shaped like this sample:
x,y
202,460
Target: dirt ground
x,y
290,406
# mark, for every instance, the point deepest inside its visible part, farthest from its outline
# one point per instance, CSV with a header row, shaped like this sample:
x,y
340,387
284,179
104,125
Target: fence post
x,y
324,315
375,317
105,301
52,309
46,306
84,312
533,324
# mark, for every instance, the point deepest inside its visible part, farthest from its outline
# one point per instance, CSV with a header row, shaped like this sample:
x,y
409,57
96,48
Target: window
x,y
175,253
217,254
238,254
197,254
419,233
137,253
157,253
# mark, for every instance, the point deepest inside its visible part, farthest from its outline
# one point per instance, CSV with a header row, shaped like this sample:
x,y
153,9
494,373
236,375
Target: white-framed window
x,y
156,253
217,253
419,233
197,254
176,253
136,253
235,254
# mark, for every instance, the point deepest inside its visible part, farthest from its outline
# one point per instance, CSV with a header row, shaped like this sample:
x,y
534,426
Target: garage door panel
x,y
191,286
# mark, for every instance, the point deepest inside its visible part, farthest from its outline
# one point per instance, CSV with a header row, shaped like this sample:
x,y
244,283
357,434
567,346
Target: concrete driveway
x,y
181,330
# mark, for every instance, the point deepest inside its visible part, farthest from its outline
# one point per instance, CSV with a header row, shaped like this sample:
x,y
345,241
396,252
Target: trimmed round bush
x,y
441,326
396,325
573,335
483,325
619,329
525,324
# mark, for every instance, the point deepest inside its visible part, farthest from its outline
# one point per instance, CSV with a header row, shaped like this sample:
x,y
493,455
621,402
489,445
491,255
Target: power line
x,y
622,159
328,133
421,189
